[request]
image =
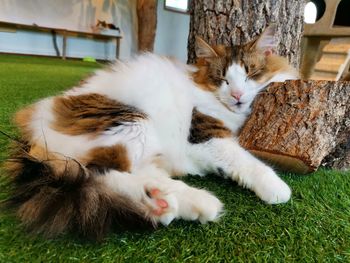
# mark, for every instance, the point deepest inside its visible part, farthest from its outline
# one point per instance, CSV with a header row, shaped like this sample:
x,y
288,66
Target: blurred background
x,y
70,29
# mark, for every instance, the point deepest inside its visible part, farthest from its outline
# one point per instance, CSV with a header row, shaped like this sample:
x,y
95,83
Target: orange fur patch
x,y
113,157
274,65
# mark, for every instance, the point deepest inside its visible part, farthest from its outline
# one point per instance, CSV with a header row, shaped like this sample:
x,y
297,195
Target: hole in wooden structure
x,y
321,8
342,17
181,6
314,10
310,13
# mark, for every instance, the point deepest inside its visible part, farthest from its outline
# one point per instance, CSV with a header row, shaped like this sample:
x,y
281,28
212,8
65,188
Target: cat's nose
x,y
236,94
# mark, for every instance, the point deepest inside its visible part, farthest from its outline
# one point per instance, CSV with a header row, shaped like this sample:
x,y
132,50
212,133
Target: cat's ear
x,y
203,49
267,41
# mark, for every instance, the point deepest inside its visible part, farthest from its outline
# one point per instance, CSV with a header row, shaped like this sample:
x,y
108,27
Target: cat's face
x,y
237,74
244,77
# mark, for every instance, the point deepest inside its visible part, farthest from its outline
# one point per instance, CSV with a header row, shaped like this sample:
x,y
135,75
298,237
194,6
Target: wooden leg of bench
x,y
117,44
64,46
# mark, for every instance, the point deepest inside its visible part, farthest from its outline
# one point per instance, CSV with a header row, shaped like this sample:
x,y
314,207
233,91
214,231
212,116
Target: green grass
x,y
313,227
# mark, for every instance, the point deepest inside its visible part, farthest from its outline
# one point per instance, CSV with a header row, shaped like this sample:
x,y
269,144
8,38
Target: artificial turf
x,y
313,227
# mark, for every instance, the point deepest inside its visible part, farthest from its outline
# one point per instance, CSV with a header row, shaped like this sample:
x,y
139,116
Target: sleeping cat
x,y
106,151
103,25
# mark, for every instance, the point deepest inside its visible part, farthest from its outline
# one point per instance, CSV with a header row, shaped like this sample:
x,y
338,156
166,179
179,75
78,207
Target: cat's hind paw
x,y
163,207
187,203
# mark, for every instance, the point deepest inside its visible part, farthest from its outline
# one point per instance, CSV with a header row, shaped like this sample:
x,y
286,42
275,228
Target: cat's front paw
x,y
272,189
197,204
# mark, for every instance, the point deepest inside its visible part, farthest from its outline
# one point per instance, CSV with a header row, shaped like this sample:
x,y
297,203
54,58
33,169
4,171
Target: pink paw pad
x,y
161,204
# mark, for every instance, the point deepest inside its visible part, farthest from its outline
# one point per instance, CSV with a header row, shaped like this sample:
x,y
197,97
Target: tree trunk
x,y
239,21
147,24
300,124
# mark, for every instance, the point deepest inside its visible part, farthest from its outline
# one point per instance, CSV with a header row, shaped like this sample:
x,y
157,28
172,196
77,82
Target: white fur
x,y
241,166
165,92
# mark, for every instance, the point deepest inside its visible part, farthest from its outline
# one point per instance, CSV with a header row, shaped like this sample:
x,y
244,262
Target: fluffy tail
x,y
59,195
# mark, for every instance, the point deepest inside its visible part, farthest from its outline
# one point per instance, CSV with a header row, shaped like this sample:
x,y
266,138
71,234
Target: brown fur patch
x,y
91,114
204,127
22,119
104,158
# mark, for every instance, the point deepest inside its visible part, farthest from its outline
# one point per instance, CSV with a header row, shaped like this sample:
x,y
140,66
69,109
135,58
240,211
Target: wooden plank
x,y
338,49
328,67
323,75
334,56
330,58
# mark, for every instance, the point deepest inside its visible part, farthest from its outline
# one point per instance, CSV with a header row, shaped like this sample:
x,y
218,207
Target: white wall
x,y
172,33
70,14
171,37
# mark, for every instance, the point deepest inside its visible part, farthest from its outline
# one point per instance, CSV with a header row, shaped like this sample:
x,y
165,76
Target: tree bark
x,y
339,158
147,24
239,21
299,124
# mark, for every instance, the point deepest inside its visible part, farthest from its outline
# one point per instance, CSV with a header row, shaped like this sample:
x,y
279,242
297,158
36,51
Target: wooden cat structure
x,y
326,44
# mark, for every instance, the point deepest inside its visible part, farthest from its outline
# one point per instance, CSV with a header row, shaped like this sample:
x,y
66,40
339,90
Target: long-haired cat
x,y
106,151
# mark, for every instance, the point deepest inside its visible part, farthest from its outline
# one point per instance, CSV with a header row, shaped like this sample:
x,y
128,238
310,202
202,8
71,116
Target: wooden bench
x,y
65,33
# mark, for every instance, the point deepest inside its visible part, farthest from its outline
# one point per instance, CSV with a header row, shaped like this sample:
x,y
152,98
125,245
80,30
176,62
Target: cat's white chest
x,y
207,104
